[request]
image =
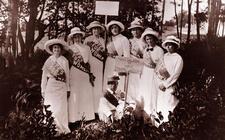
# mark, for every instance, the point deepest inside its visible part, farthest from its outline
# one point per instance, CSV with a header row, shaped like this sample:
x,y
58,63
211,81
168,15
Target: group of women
x,y
74,93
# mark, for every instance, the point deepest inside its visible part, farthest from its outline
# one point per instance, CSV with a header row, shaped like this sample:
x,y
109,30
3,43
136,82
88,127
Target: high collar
x,y
110,91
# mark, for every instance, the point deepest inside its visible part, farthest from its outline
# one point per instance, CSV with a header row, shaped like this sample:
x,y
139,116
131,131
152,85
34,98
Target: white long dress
x,y
137,47
148,89
97,67
166,101
55,94
81,102
121,45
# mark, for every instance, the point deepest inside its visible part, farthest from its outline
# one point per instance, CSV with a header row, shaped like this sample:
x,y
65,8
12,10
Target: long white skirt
x,y
166,102
56,97
81,101
110,71
148,91
97,70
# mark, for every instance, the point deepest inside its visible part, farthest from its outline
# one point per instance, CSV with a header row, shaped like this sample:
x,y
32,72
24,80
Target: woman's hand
x,y
162,87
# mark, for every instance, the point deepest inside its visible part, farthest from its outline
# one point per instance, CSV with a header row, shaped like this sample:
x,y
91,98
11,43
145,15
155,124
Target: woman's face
x,y
56,49
114,86
136,32
115,30
150,40
96,31
171,47
77,38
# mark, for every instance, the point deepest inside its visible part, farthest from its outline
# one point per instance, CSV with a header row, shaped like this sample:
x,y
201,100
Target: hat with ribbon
x,y
51,42
171,39
76,30
114,22
95,24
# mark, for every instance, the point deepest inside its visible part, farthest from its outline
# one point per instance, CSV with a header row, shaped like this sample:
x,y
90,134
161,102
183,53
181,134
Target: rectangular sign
x,y
128,64
107,8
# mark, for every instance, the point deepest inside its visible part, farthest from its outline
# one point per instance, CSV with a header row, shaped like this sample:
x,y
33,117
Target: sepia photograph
x,y
112,69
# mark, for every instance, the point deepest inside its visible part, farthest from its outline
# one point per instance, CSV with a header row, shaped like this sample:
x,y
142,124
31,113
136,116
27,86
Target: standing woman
x,y
168,71
55,83
81,103
136,49
117,45
151,55
97,47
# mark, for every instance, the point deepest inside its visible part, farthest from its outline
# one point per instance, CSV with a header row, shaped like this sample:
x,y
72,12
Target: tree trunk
x,y
30,28
163,11
21,42
181,20
223,26
14,6
214,11
189,21
177,22
66,23
197,20
6,53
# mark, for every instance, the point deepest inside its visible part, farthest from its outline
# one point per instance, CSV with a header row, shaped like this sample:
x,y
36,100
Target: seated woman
x,y
168,70
111,106
55,83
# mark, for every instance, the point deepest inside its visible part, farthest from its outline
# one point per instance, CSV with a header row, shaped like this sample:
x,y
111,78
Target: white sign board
x,y
128,64
107,8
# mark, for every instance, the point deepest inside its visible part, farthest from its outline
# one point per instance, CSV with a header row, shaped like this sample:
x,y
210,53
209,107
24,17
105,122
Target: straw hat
x,y
171,39
114,22
113,79
55,41
135,24
76,30
149,31
95,24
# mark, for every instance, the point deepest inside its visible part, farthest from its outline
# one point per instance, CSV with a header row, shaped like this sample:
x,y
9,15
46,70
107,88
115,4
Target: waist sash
x,y
55,70
79,63
96,50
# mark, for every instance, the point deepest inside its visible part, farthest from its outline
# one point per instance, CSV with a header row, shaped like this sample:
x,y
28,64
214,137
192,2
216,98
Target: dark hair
x,y
51,46
117,26
155,38
174,45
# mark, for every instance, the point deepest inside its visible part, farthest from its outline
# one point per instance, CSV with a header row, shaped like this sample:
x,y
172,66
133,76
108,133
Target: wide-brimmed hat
x,y
171,39
113,79
135,24
114,22
95,24
76,30
55,41
149,31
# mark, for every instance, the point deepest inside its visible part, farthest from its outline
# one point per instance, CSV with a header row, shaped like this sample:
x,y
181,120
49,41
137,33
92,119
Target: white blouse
x,y
121,44
63,62
174,65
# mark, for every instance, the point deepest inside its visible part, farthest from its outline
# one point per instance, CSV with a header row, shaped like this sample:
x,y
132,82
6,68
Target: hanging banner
x,y
107,8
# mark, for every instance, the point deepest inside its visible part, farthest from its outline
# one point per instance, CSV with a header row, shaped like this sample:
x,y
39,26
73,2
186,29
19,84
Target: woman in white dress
x,y
136,49
168,71
81,102
151,55
97,47
117,45
55,83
